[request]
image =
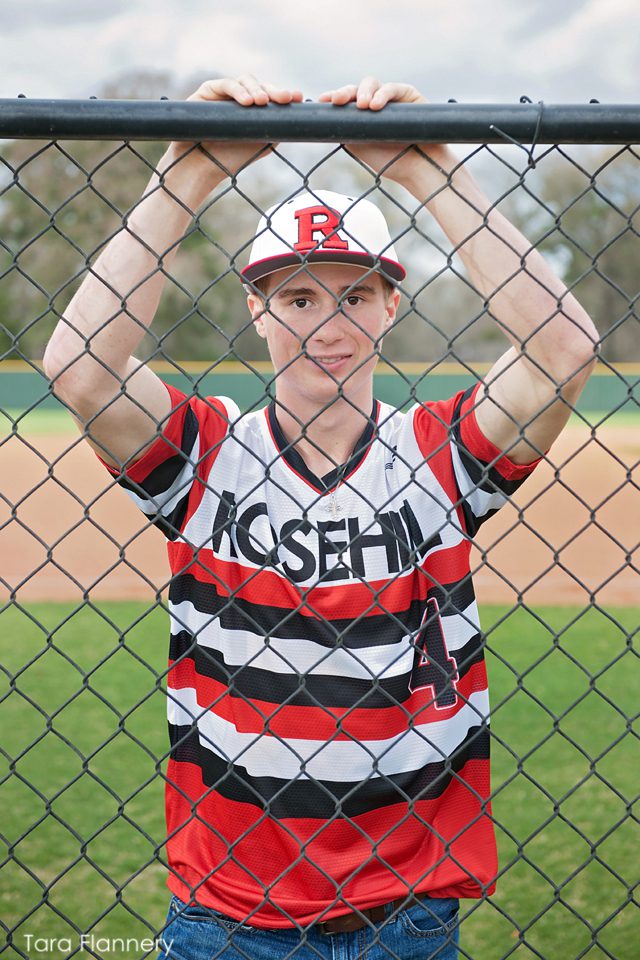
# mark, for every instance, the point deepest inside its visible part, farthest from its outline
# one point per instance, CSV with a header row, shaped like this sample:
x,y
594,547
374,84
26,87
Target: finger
x,y
395,93
222,89
226,89
246,90
280,95
263,93
367,88
340,96
255,89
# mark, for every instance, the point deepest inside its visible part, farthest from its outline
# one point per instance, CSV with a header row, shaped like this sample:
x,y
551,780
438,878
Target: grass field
x,y
83,721
43,420
47,420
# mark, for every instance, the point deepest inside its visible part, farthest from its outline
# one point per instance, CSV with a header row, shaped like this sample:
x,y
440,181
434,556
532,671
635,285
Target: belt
x,y
356,920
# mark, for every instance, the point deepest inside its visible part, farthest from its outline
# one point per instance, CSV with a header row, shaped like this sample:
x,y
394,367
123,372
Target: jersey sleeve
x,y
160,483
484,477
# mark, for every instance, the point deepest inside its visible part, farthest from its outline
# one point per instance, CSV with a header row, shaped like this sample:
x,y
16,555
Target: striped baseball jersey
x,y
327,693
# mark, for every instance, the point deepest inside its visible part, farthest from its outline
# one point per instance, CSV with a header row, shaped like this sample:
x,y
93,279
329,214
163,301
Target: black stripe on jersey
x,y
162,477
453,598
249,682
172,525
325,800
483,476
237,613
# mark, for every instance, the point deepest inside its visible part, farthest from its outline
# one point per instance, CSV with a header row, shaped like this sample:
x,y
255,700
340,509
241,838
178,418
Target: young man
x,y
328,784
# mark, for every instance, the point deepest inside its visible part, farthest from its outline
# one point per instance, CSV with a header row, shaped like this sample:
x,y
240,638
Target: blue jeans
x,y
425,931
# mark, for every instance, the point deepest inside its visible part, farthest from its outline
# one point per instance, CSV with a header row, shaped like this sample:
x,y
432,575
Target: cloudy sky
x,y
473,50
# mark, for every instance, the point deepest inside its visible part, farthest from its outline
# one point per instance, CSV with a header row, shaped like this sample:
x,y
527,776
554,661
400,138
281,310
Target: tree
x,y
60,202
583,212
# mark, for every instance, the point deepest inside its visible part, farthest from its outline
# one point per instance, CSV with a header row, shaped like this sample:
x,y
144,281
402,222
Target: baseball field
x,y
570,535
82,713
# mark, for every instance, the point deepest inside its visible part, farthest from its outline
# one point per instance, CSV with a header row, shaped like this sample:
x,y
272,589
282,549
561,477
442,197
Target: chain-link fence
x,y
327,681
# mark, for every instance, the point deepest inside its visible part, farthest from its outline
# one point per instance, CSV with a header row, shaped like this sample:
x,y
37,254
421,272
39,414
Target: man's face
x,y
323,326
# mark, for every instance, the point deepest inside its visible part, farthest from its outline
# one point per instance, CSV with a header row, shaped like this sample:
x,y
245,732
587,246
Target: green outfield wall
x,y
24,388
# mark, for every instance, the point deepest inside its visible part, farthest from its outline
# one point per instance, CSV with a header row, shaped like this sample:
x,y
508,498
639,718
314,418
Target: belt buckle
x,y
352,921
345,923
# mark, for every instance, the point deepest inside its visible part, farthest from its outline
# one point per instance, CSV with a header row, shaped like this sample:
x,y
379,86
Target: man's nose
x,y
334,324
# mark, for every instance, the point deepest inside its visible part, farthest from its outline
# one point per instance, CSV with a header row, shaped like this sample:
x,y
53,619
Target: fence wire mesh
x,y
326,688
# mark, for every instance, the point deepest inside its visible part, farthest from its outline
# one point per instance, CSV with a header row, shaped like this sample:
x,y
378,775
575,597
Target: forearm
x,y
92,345
529,392
90,357
541,319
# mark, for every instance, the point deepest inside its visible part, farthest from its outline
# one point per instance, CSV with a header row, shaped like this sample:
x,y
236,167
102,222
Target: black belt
x,y
356,920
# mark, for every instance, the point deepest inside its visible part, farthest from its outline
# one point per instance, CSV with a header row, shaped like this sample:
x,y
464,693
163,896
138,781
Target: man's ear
x,y
258,310
393,302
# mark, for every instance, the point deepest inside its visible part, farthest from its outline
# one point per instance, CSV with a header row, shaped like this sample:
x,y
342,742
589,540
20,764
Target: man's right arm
x,y
90,357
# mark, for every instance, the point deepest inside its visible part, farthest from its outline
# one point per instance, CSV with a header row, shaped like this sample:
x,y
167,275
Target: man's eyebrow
x,y
347,290
350,289
292,292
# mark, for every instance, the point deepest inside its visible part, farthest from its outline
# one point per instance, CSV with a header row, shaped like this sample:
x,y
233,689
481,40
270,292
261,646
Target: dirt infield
x,y
571,534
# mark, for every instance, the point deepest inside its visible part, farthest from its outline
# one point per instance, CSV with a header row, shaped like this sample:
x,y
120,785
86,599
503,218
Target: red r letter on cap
x,y
328,227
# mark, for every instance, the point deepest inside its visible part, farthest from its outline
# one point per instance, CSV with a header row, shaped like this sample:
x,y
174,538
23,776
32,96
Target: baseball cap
x,y
323,227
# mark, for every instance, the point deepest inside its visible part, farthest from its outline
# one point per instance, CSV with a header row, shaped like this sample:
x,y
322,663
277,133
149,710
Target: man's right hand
x,y
231,157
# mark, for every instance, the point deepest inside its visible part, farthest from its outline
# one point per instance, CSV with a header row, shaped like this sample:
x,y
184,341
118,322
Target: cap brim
x,y
390,269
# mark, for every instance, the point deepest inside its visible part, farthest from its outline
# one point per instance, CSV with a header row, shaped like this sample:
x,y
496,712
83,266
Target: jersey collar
x,y
336,476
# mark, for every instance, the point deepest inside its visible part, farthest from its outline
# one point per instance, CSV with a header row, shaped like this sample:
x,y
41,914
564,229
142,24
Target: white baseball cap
x,y
323,227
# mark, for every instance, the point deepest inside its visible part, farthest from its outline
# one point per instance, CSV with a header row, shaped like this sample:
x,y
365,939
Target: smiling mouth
x,y
329,361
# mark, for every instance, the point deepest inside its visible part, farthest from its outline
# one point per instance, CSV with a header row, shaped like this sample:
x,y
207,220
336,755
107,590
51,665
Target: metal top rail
x,y
318,122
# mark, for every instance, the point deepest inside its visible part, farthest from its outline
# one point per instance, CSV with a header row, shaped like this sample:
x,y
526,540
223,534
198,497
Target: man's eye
x,y
301,302
352,301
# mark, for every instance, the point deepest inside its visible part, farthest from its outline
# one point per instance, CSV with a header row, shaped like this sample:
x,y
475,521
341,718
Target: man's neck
x,y
325,438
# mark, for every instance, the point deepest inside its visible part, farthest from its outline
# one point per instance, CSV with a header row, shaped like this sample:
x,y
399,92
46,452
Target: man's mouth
x,y
330,360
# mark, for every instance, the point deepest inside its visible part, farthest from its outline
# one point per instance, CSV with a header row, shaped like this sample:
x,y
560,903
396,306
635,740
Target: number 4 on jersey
x,y
432,665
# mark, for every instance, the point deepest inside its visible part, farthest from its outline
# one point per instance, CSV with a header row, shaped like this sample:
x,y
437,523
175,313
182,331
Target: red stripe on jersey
x,y
321,723
213,424
232,578
446,566
237,859
483,449
431,425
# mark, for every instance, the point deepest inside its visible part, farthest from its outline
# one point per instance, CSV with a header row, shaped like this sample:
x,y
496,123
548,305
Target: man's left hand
x,y
395,161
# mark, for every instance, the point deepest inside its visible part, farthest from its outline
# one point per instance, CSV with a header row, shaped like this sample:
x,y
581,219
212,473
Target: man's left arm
x,y
529,393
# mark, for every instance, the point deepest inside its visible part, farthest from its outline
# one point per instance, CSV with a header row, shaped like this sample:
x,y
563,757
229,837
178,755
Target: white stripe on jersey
x,y
264,755
231,408
480,501
459,627
298,655
164,502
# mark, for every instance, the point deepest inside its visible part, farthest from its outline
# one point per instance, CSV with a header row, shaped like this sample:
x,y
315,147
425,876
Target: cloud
x,y
544,15
489,51
593,51
20,17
